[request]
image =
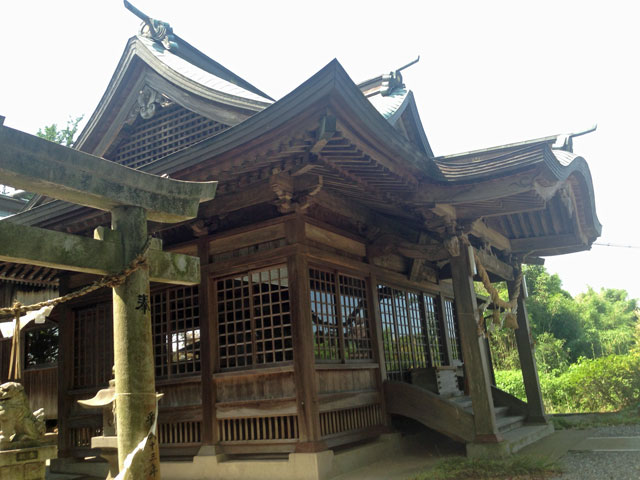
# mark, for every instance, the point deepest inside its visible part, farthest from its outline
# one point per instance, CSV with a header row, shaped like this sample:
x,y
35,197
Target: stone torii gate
x,y
132,197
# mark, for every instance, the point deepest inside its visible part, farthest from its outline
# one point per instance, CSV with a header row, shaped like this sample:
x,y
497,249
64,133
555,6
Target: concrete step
x,y
519,438
462,402
508,423
501,411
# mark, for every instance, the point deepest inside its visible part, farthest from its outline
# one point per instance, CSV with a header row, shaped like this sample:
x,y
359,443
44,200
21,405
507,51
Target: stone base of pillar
x,y
210,464
26,463
538,420
479,449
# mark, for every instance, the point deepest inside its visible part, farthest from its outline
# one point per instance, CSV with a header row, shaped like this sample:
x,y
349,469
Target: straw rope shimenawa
x,y
511,307
17,310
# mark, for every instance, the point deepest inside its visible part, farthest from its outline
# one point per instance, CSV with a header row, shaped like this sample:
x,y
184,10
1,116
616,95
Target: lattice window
x,y
350,419
340,321
175,316
171,129
93,345
80,437
411,336
452,327
434,335
254,319
403,334
255,429
180,433
355,318
41,346
325,315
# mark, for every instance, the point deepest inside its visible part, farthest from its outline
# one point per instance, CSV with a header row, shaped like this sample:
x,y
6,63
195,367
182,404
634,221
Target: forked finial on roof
x,y
157,30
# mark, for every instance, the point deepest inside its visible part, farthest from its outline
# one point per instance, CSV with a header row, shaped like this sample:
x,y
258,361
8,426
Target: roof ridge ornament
x,y
565,141
157,30
393,80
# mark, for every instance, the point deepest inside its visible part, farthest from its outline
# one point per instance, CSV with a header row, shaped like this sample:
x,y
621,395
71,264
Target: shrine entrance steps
x,y
453,416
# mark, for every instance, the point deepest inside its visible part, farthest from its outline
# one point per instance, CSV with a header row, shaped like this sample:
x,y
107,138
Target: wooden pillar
x,y
133,346
473,349
444,328
535,405
302,331
65,317
375,321
207,352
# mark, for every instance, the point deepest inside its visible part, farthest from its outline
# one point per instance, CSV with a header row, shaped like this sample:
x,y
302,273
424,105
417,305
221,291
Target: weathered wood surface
x,y
304,358
346,380
64,251
430,410
473,348
254,385
41,386
524,342
504,399
37,165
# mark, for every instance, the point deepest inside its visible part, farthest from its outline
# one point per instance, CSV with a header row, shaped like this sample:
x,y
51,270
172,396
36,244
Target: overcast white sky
x,y
490,73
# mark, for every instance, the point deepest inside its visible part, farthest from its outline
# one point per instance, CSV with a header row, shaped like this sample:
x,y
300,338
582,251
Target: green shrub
x,y
603,384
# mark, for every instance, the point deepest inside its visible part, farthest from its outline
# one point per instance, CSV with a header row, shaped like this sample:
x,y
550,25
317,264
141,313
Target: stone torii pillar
x,y
132,197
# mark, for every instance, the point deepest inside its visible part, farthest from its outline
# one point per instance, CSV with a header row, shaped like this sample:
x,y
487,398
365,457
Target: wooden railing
x,y
429,409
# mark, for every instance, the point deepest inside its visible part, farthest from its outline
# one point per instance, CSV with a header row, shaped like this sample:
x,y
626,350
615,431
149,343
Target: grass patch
x,y
515,466
628,416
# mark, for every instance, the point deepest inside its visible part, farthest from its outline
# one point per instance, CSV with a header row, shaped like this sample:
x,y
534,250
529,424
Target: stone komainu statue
x,y
17,423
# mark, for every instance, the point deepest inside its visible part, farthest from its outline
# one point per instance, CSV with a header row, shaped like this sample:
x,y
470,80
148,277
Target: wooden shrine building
x,y
337,268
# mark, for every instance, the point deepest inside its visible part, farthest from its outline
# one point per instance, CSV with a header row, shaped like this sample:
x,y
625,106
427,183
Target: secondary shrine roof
x,y
212,78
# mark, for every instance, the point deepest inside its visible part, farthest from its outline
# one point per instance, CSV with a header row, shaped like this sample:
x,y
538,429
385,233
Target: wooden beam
x,y
489,235
326,130
533,244
417,263
531,260
494,265
63,251
389,243
453,194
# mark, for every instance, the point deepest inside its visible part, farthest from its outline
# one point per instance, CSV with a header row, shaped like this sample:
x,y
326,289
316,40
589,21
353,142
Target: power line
x,y
615,245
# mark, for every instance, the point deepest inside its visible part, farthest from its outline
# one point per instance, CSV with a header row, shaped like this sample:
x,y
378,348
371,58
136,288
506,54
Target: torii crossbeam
x,y
132,197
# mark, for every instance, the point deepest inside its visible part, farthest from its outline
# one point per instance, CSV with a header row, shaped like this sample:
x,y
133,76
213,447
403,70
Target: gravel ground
x,y
604,465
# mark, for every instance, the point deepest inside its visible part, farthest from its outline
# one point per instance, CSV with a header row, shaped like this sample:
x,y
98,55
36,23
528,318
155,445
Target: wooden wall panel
x,y
180,395
254,387
41,386
346,380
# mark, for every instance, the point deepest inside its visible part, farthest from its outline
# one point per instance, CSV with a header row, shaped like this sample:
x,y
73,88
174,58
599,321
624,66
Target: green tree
x,y
609,320
63,136
552,309
551,354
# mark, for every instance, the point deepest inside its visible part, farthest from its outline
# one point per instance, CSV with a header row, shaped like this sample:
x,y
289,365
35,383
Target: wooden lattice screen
x,y
175,318
434,335
93,345
258,429
171,129
410,332
358,418
254,319
452,328
340,316
403,334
